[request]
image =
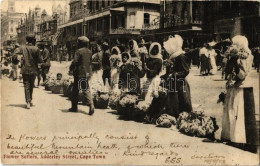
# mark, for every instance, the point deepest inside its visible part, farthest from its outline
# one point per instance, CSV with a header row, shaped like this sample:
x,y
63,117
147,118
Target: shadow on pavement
x,y
79,111
219,80
17,105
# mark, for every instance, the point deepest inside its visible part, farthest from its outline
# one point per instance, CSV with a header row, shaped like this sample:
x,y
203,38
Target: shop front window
x,y
132,20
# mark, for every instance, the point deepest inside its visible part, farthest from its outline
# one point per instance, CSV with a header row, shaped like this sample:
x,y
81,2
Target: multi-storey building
x,y
203,21
28,25
9,22
192,20
108,20
237,18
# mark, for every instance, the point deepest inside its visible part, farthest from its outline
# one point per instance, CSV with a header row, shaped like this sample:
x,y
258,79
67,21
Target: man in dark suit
x,y
46,62
30,63
81,68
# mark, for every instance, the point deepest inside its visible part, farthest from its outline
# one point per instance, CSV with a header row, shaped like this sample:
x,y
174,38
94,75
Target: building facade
x,y
238,18
108,20
29,25
199,22
9,22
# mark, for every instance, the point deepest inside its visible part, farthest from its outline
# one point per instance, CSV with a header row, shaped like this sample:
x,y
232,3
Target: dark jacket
x,y
46,58
105,60
81,65
30,59
155,66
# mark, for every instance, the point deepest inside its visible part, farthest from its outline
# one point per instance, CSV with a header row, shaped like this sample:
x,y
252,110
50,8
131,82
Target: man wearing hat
x,y
30,63
46,61
81,68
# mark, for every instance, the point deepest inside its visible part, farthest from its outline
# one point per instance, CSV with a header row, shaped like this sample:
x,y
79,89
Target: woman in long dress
x,y
96,81
239,122
152,67
212,59
205,65
178,99
115,61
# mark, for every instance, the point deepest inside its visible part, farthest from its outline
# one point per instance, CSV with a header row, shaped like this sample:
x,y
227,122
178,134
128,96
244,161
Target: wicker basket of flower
x,y
127,105
114,97
49,81
67,84
140,111
101,100
57,88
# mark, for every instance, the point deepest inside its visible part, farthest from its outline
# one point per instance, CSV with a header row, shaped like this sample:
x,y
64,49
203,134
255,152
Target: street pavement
x,y
49,116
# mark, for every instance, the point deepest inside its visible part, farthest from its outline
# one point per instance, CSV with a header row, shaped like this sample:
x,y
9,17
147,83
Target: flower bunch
x,y
168,63
115,60
114,97
165,120
196,124
100,96
143,106
159,92
136,62
235,52
128,100
104,96
67,82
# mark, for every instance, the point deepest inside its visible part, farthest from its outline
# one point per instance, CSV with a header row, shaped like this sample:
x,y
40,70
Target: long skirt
x,y
114,78
239,122
205,64
179,99
96,81
213,69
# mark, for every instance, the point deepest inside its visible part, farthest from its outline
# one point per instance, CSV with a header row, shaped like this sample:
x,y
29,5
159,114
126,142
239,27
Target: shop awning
x,y
97,15
120,9
70,23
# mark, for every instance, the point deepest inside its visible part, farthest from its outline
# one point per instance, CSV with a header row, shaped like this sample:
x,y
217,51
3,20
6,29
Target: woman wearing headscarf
x,y
115,61
239,122
123,71
130,73
178,99
96,80
152,67
133,48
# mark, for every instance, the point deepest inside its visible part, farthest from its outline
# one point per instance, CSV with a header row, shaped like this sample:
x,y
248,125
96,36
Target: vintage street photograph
x,y
130,82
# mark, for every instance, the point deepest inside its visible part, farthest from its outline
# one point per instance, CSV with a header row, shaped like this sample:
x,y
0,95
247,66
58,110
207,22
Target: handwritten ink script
x,y
93,146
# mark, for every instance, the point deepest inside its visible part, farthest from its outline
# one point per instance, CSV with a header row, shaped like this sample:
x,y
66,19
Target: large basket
x,y
101,104
5,71
58,89
47,87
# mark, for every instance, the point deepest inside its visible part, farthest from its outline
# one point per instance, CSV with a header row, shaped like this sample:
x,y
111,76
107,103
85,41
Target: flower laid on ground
x,y
196,123
165,120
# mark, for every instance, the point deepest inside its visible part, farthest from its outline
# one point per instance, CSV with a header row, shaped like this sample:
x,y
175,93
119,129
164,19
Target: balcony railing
x,y
125,31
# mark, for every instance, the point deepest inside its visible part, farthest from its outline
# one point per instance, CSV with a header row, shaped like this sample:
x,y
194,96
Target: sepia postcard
x,y
130,82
